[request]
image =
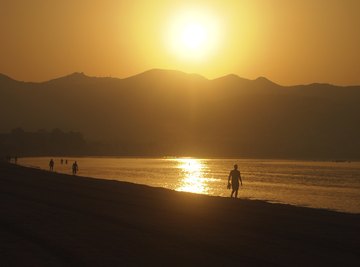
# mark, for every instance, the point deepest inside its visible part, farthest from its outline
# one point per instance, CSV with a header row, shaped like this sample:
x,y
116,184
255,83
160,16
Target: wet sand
x,y
50,219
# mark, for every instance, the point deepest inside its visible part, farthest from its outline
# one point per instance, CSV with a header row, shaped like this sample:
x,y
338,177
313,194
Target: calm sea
x,y
328,185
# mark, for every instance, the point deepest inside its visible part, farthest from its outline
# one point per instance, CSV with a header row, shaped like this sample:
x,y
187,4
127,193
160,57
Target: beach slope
x,y
50,219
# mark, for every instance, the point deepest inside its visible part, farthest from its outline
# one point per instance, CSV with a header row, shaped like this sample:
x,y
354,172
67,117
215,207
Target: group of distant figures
x,y
9,159
75,167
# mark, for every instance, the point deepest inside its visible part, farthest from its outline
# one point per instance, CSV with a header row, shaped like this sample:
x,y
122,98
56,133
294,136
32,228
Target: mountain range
x,y
166,112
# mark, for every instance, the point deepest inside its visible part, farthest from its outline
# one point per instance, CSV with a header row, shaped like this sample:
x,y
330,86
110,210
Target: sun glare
x,y
193,35
192,172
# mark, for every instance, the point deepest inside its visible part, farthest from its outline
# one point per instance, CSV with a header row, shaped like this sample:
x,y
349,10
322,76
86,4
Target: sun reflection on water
x,y
192,176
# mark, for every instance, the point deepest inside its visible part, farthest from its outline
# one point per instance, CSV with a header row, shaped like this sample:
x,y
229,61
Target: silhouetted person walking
x,y
235,179
51,165
75,168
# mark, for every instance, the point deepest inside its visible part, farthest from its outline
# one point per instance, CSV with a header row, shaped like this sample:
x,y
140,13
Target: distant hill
x,y
164,112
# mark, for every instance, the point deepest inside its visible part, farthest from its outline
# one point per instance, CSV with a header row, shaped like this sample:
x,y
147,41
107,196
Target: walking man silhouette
x,y
235,179
51,165
75,168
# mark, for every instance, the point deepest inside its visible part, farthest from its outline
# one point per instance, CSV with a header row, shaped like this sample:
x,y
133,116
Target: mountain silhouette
x,y
167,112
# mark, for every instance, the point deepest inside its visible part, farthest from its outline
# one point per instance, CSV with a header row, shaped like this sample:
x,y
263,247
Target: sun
x,y
193,35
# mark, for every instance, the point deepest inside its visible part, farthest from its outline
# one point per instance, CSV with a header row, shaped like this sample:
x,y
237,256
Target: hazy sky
x,y
287,41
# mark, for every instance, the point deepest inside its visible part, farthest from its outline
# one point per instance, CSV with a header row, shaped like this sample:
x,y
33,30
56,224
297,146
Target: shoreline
x,y
54,219
240,198
325,159
350,160
307,189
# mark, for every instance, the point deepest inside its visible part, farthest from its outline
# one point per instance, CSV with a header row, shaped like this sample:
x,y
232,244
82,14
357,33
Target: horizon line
x,y
179,71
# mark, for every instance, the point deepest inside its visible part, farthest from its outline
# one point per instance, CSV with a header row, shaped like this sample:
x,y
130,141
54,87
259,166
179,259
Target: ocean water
x,y
317,184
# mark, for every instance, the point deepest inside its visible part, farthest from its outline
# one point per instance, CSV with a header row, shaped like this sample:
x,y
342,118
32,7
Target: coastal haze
x,y
164,112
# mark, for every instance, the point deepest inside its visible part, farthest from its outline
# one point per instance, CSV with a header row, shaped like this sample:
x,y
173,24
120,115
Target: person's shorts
x,y
235,186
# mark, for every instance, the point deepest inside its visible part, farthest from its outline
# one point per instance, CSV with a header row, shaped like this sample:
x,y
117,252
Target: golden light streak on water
x,y
192,172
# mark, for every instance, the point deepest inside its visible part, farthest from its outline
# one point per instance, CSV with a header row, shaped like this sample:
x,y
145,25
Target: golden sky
x,y
287,41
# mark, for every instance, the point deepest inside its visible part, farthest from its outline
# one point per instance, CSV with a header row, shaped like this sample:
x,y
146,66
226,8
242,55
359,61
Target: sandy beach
x,y
50,219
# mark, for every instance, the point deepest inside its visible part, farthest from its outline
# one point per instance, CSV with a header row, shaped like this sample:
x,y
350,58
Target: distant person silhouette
x,y
65,161
75,168
61,161
235,179
51,165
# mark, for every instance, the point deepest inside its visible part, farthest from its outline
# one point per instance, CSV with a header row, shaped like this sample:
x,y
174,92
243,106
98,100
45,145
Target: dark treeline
x,y
41,143
21,143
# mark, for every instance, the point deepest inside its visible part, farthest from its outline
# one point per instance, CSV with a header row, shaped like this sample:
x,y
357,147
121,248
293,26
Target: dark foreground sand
x,y
49,219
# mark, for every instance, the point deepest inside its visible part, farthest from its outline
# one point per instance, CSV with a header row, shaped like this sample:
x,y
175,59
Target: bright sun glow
x,y
193,35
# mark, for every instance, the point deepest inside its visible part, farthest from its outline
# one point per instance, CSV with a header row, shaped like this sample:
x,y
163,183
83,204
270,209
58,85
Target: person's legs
x,y
236,193
232,192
